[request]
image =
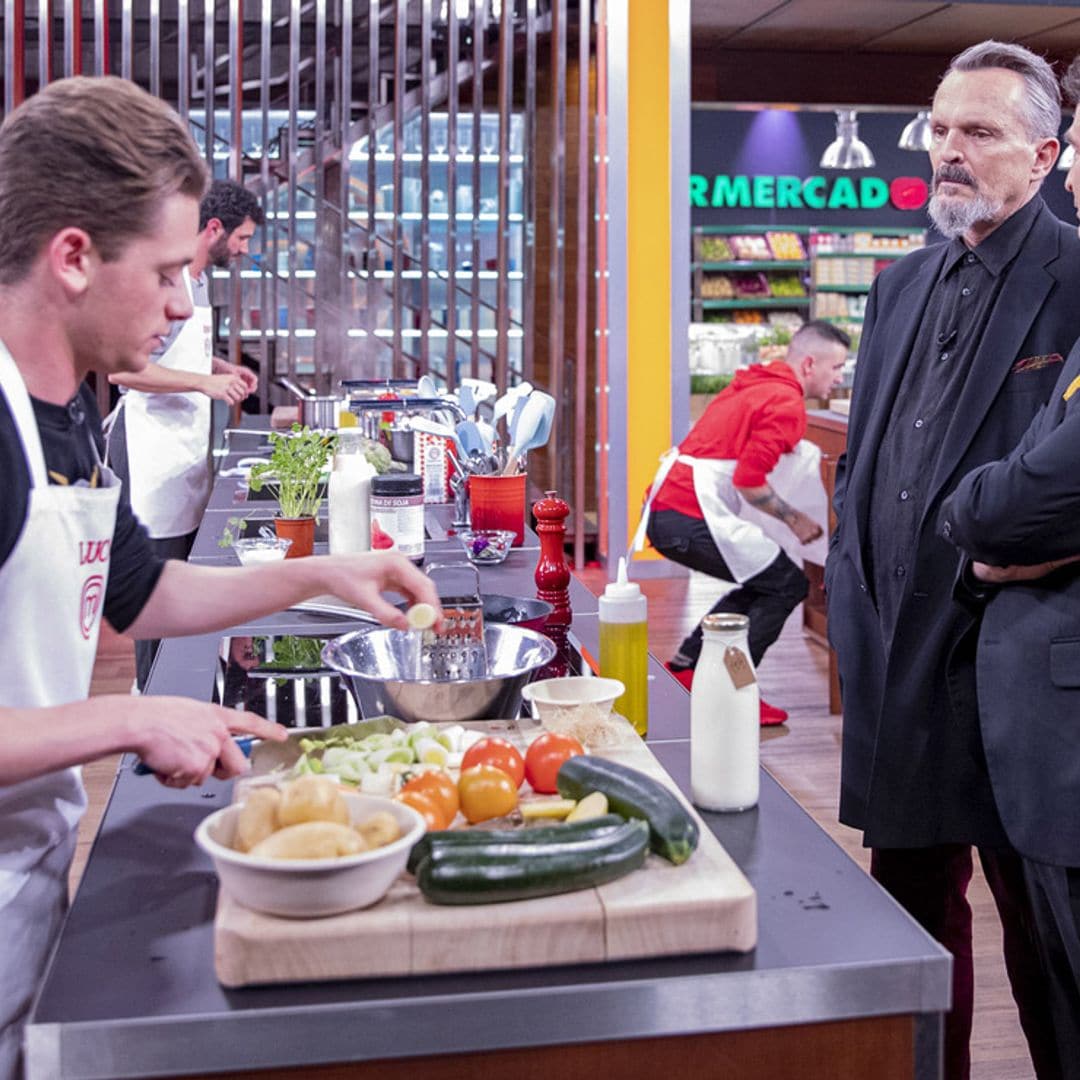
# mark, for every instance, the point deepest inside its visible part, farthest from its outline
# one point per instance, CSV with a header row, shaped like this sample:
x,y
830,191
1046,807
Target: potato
x,y
311,840
312,798
379,830
258,817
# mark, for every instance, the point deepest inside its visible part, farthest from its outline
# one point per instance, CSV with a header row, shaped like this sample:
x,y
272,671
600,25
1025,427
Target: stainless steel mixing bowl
x,y
378,666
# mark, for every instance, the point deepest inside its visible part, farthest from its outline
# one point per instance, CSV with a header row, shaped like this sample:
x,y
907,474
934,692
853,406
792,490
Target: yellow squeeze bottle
x,y
624,646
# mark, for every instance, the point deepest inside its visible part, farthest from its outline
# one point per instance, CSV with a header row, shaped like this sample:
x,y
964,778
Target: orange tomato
x,y
486,792
438,786
426,806
545,755
498,752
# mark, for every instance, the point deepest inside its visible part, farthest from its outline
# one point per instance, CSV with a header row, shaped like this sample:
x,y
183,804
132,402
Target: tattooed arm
x,y
767,501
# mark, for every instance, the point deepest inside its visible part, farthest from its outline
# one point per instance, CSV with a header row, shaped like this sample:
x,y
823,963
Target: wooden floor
x,y
803,755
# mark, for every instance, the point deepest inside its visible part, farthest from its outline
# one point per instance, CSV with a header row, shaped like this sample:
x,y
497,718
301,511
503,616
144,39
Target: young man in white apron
x,y
159,442
743,470
78,295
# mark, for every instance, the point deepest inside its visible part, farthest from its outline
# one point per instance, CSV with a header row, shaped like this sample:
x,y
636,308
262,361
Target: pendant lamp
x,y
916,136
847,150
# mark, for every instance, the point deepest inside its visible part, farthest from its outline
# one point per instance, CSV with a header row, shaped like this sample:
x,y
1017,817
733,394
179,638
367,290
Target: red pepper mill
x,y
553,576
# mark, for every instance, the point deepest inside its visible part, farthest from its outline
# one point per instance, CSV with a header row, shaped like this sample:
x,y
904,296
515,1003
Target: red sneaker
x,y
771,715
684,675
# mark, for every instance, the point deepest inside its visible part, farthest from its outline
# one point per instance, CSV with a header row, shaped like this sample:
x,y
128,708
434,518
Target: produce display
x,y
307,818
751,246
717,287
714,249
750,286
786,245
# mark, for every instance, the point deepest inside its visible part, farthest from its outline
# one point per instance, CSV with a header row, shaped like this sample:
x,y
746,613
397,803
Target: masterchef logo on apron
x,y
93,589
90,604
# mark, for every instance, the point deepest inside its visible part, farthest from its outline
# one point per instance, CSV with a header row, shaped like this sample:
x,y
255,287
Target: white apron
x,y
168,437
52,588
748,539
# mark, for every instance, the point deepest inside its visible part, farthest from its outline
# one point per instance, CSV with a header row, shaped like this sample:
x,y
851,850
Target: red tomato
x,y
545,755
498,752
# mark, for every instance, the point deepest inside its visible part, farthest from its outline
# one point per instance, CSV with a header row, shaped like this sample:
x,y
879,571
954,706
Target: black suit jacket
x,y
912,770
1021,511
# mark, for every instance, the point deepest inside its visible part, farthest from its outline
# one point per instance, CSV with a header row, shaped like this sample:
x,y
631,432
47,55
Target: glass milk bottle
x,y
724,718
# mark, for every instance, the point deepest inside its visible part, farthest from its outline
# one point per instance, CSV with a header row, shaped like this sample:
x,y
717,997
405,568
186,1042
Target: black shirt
x,y
950,332
133,567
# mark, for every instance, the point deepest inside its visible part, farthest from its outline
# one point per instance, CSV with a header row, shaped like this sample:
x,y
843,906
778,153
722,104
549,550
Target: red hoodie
x,y
760,416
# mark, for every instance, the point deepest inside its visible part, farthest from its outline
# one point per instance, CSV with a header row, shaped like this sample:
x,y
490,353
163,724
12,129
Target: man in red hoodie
x,y
726,461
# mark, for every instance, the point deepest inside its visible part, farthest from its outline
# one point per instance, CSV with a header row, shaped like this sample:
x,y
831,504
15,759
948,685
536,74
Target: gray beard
x,y
954,217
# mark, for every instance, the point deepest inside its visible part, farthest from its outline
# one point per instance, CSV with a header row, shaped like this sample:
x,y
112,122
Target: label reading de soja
x,y
397,524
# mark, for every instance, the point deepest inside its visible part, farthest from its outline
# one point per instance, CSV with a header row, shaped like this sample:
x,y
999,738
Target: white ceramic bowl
x,y
260,549
303,888
547,695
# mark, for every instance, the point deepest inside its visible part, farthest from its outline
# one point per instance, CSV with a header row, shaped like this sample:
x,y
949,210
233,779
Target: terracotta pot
x,y
301,531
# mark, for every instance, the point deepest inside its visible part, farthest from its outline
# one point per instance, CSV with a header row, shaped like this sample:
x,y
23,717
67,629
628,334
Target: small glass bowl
x,y
485,547
260,549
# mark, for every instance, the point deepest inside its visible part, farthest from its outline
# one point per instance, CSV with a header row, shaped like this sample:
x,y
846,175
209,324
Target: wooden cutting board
x,y
705,905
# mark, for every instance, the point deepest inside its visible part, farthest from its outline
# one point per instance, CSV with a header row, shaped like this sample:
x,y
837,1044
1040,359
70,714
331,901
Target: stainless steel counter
x,y
131,989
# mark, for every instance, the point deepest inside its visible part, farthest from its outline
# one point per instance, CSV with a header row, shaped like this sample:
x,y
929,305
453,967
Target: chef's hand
x,y
1004,575
360,579
246,375
230,388
185,742
805,528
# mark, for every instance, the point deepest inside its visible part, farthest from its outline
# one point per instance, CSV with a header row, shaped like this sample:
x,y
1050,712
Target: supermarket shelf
x,y
764,302
748,230
754,264
842,288
863,254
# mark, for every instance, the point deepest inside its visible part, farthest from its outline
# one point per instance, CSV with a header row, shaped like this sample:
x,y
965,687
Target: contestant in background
x,y
99,202
962,344
746,454
159,444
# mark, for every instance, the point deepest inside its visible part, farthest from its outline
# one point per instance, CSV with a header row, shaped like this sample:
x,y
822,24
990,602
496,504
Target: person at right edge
x,y
962,343
1017,521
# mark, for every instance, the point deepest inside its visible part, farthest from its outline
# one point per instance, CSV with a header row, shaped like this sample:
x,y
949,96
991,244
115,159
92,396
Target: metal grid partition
x,y
428,209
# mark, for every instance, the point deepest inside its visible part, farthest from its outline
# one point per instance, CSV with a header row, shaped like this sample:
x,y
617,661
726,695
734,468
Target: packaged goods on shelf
x,y
714,249
718,349
785,245
717,287
785,284
750,286
750,246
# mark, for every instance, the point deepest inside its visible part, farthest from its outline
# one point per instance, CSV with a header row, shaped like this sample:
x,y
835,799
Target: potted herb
x,y
773,346
295,474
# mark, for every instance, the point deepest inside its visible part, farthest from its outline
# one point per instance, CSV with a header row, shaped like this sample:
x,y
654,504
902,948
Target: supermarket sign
x,y
812,192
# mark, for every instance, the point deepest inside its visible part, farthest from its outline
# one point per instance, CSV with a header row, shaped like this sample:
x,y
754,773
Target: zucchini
x,y
474,838
673,832
492,873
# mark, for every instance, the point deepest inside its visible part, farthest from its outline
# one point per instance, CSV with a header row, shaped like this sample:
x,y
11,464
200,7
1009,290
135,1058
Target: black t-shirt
x,y
133,567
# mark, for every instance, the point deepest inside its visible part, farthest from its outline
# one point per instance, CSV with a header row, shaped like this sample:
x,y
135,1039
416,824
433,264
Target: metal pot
x,y
319,413
524,611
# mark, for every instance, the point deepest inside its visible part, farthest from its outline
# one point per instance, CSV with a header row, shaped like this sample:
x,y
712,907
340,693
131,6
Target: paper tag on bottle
x,y
738,667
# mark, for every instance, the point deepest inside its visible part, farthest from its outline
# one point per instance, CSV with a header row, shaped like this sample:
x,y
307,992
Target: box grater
x,y
457,652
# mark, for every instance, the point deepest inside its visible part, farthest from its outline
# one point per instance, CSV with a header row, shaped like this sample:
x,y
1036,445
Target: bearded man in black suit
x,y
961,346
1018,521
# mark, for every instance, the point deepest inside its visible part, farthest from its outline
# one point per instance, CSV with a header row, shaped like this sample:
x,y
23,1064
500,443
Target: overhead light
x,y
1068,156
847,151
916,136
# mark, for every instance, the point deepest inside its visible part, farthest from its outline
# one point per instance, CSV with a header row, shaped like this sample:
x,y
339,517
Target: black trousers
x,y
932,884
768,598
1055,900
